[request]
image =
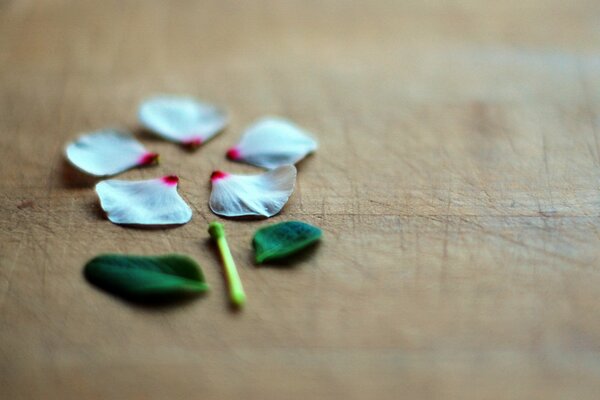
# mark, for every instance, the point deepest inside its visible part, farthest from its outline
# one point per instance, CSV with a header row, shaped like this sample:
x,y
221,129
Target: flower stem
x,y
236,290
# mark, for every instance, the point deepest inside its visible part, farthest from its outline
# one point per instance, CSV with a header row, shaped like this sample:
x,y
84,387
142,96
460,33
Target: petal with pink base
x,y
151,202
261,195
181,119
272,142
108,152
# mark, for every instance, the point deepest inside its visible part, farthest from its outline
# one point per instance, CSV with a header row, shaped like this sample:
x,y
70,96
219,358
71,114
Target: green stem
x,y
236,290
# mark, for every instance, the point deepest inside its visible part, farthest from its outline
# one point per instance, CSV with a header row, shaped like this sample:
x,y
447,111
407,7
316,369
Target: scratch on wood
x,y
543,251
589,112
548,186
11,269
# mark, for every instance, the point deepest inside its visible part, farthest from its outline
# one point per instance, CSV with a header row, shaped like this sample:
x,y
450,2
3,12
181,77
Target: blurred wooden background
x,y
457,183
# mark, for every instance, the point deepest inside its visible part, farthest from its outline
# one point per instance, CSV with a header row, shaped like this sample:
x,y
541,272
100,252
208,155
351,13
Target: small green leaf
x,y
283,239
146,276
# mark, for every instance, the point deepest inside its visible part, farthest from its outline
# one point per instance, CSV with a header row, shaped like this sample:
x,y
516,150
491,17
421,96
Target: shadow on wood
x,y
73,178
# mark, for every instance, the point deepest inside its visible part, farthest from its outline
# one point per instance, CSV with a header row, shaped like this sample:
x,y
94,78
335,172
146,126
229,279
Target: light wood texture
x,y
457,183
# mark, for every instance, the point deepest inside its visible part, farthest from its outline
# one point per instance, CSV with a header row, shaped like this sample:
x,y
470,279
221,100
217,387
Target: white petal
x,y
272,142
256,195
182,119
149,202
108,152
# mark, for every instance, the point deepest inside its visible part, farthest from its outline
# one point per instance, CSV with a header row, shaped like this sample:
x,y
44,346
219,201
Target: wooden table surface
x,y
457,184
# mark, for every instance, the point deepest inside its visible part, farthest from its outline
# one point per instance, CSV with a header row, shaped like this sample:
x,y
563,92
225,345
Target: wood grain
x,y
456,182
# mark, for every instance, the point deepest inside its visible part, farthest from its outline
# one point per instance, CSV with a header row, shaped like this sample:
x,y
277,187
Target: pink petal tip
x,y
170,180
193,142
217,175
233,154
148,158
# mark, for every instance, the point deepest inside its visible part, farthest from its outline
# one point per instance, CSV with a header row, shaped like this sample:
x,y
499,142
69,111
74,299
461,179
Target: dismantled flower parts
x,y
149,202
284,239
108,152
272,142
182,120
140,277
251,195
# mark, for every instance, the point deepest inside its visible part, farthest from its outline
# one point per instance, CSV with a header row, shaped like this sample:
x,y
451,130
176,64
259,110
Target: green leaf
x,y
146,276
283,239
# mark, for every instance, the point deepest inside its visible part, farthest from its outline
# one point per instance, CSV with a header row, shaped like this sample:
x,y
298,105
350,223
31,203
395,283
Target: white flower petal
x,y
182,119
272,142
149,202
251,195
108,152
